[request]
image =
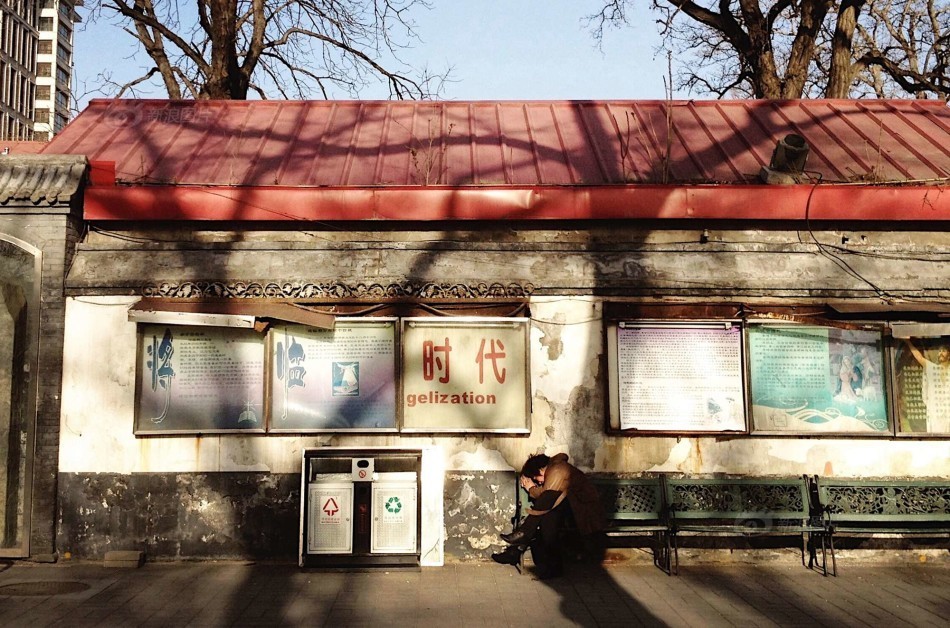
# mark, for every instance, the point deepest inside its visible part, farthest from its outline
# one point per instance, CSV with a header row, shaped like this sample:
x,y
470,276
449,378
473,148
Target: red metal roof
x,y
443,160
21,147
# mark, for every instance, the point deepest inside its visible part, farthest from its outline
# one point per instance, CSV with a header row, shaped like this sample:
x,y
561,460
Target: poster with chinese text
x,y
199,379
680,378
465,374
334,379
922,385
810,379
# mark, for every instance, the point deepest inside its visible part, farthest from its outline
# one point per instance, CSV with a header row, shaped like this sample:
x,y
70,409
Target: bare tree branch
x,y
228,48
799,48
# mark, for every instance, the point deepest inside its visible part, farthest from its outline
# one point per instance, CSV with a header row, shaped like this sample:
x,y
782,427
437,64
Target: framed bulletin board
x,y
817,380
921,368
333,379
676,377
465,375
193,379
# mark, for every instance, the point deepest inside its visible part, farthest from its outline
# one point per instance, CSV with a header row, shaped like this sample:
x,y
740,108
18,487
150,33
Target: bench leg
x,y
667,553
834,562
824,556
661,551
676,555
813,552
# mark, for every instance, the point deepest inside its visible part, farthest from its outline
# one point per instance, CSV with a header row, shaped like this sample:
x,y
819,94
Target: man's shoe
x,y
507,557
517,537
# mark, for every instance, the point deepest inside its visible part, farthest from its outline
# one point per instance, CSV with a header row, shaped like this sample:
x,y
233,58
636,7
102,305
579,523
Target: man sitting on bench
x,y
558,490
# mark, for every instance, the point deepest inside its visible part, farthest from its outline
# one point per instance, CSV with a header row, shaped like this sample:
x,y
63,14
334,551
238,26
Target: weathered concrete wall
x,y
570,274
568,391
181,515
616,259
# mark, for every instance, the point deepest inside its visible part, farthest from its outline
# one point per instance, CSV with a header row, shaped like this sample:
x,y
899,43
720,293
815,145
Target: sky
x,y
498,50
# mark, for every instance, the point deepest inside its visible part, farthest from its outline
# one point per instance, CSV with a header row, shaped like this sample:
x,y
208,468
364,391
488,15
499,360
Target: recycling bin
x,y
360,508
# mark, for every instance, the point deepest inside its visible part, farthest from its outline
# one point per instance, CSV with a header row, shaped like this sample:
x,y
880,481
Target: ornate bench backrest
x,y
737,499
908,501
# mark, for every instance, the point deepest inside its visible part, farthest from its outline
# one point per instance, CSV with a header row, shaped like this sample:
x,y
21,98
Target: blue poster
x,y
809,379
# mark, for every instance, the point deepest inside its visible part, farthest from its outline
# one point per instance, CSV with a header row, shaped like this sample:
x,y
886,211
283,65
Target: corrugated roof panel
x,y
394,153
595,123
210,159
302,148
126,134
266,167
894,152
869,146
329,165
736,159
549,159
517,151
704,155
761,133
184,128
488,148
827,155
931,151
382,143
359,164
668,159
458,156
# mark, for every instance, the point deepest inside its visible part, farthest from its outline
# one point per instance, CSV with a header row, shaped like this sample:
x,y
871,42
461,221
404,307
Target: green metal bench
x,y
633,507
883,506
743,507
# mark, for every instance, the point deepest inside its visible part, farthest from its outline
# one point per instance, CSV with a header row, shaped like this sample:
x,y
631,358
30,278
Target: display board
x,y
194,379
465,374
817,380
334,379
922,385
673,377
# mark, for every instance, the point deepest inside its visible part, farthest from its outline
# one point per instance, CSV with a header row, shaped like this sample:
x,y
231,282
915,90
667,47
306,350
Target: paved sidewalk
x,y
780,593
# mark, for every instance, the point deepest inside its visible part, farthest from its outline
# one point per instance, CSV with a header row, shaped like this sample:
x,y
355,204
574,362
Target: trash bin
x,y
360,508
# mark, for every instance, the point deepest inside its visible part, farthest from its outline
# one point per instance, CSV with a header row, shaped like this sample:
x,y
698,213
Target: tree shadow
x,y
590,596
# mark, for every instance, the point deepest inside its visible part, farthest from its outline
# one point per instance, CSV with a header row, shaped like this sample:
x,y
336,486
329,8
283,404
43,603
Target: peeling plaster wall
x,y
236,495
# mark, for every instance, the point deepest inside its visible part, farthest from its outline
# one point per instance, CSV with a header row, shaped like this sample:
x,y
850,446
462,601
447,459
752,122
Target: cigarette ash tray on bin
x,y
360,507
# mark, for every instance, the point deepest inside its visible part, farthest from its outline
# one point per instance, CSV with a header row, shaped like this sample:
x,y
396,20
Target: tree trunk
x,y
813,13
225,79
758,52
841,72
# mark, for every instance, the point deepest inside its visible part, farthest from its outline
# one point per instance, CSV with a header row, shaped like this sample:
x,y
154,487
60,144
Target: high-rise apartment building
x,y
36,51
19,35
54,66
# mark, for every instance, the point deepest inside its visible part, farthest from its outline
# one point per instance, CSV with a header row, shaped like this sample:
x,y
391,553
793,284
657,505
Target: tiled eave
x,y
40,180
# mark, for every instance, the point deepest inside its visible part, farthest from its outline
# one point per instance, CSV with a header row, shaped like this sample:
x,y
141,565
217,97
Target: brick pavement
x,y
776,593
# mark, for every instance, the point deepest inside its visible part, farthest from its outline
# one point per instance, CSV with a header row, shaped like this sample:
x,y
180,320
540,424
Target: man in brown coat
x,y
558,490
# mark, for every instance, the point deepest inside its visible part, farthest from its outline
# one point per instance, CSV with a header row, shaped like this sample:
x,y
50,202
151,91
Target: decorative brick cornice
x,y
337,290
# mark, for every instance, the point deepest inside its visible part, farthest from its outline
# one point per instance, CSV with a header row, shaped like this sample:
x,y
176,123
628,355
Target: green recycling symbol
x,y
393,505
